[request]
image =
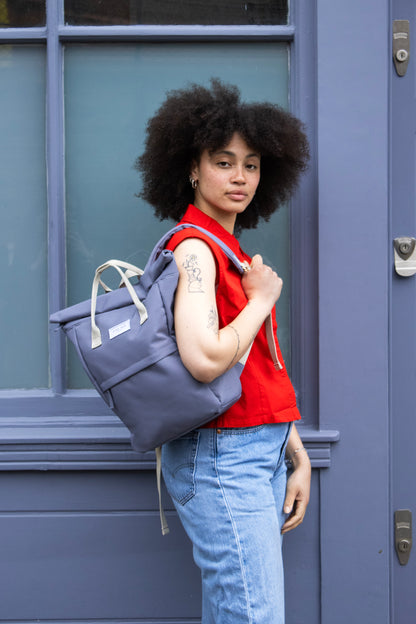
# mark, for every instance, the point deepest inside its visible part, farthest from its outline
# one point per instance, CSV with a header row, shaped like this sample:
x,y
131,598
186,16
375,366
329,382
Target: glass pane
x,y
23,231
18,13
99,12
110,92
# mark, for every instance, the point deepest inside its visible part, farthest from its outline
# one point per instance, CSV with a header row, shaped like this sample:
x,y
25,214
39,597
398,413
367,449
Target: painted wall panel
x,y
88,545
80,566
88,563
100,490
353,276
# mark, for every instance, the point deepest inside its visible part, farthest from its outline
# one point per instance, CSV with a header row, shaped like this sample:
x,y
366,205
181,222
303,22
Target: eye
x,y
223,164
252,167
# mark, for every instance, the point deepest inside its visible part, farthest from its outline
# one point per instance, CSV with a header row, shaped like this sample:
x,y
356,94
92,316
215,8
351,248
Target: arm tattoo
x,y
238,344
213,320
194,274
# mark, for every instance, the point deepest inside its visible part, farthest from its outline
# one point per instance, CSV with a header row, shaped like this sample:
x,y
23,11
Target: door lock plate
x,y
401,46
405,255
403,534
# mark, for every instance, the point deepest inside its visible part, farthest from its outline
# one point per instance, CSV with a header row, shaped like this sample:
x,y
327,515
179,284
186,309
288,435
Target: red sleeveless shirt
x,y
268,395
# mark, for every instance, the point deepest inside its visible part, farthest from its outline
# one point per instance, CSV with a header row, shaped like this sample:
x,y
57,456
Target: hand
x,y
261,282
297,495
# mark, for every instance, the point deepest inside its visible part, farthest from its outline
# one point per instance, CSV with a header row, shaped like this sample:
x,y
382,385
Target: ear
x,y
194,171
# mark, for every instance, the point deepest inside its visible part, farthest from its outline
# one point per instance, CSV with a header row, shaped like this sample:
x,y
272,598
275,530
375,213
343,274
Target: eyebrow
x,y
228,153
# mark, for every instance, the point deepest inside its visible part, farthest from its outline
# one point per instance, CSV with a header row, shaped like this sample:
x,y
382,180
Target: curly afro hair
x,y
197,118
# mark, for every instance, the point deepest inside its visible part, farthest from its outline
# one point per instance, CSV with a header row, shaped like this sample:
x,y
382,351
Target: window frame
x,y
46,420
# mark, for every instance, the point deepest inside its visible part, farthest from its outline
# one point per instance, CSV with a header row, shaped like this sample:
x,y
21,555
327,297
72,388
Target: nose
x,y
239,175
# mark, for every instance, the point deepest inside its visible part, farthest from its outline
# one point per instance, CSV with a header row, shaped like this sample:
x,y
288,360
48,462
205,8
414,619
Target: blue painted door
x,y
403,318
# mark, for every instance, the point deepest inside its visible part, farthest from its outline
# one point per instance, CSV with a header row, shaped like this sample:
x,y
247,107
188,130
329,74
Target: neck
x,y
226,220
228,224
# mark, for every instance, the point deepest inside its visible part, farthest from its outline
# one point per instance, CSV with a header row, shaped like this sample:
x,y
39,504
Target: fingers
x,y
289,500
297,498
262,283
256,261
296,517
258,266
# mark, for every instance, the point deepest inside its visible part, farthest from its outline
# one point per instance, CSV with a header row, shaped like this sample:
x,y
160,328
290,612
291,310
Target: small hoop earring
x,y
194,183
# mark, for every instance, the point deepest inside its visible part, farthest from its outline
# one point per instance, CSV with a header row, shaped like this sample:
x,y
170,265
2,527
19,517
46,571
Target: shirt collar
x,y
197,217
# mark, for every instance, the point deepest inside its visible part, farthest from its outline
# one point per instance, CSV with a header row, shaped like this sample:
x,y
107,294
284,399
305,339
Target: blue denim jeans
x,y
228,487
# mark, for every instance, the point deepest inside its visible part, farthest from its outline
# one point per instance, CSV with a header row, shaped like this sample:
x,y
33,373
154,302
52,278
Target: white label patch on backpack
x,y
119,329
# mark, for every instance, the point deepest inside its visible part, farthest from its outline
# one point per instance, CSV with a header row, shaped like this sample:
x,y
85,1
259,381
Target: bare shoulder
x,y
196,261
196,248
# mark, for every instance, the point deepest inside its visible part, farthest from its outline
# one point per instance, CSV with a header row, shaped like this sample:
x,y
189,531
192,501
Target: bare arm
x,y
206,350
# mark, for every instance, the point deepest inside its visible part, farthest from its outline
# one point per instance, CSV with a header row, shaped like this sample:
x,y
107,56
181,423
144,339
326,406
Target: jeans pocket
x,y
179,467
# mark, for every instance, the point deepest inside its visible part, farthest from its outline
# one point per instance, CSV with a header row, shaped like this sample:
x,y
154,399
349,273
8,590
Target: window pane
x,y
18,13
23,231
110,92
99,12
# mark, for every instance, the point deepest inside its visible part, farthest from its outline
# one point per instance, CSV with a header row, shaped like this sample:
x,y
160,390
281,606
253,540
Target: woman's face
x,y
227,180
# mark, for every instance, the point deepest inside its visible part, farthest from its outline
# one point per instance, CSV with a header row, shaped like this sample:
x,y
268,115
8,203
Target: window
x,y
23,235
22,13
108,12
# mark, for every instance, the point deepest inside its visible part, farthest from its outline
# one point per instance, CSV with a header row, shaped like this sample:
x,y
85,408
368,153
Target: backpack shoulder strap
x,y
160,245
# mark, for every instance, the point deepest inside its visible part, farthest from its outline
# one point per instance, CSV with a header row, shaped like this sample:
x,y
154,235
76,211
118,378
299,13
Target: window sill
x,y
99,441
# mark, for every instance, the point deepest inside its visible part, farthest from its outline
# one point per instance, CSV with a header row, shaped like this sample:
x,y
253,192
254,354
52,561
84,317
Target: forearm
x,y
295,451
221,351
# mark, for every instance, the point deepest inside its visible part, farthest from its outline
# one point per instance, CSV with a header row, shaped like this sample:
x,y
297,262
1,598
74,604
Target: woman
x,y
213,161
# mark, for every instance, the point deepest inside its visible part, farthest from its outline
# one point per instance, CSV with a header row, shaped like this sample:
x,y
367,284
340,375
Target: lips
x,y
237,196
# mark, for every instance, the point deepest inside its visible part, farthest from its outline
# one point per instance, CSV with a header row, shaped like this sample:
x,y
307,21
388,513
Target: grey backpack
x,y
125,340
